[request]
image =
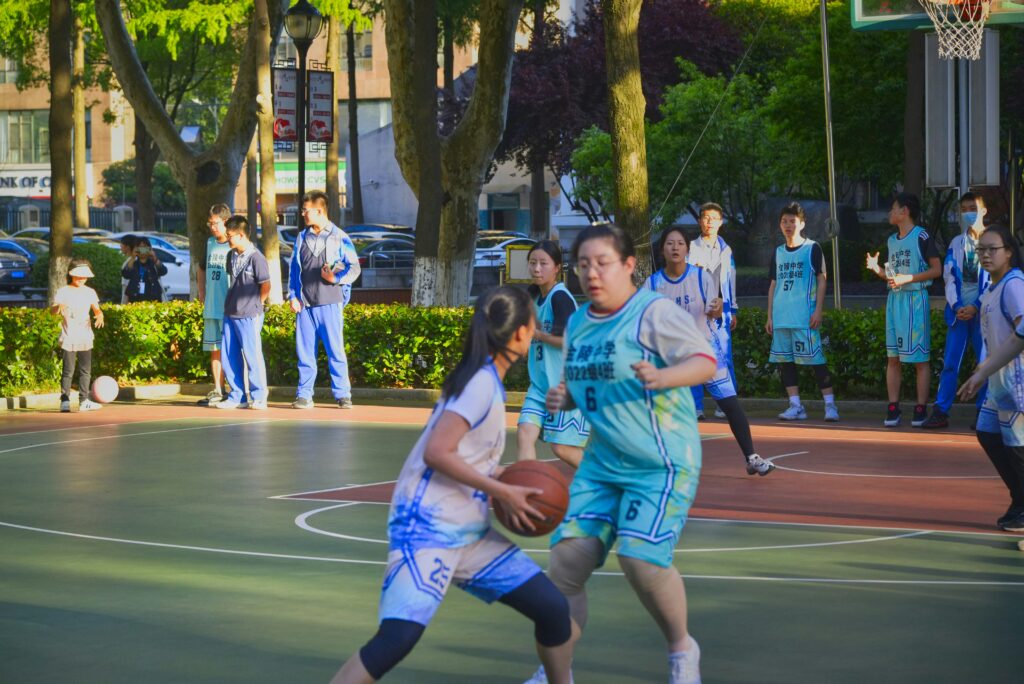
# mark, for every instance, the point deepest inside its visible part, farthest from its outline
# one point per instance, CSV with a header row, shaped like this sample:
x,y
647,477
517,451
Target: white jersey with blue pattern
x,y
429,509
691,292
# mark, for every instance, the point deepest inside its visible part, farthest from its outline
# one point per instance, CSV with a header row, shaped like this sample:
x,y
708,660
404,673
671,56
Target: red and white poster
x,y
321,106
286,126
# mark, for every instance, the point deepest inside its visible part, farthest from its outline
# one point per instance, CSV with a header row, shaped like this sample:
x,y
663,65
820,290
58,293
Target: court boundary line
x,y
603,573
90,427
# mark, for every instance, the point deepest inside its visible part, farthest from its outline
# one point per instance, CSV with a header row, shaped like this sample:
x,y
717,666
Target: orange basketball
x,y
552,503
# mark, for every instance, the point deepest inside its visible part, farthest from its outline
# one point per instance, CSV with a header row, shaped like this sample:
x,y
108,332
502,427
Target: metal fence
x,y
12,220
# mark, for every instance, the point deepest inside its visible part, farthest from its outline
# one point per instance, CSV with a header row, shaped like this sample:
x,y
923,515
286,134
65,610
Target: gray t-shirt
x,y
248,271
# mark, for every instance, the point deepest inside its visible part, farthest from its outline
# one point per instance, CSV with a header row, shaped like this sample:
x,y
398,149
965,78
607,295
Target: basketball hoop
x,y
960,25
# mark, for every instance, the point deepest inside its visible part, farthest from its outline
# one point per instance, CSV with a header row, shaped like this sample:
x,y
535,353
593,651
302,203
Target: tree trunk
x,y
354,194
209,177
449,56
78,93
61,128
626,107
913,117
252,177
540,203
334,211
146,154
268,182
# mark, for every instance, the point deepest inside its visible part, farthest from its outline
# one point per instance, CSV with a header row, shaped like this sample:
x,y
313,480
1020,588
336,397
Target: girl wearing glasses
x,y
630,358
1000,425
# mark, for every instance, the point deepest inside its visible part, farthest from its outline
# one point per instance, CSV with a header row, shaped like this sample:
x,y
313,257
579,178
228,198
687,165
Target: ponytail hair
x,y
1010,242
497,316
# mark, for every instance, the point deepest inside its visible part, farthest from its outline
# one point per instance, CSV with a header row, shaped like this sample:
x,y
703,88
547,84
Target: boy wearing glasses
x,y
710,252
965,282
913,264
212,284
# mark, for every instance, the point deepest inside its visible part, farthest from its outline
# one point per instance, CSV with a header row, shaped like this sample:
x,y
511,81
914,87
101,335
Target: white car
x,y
176,283
490,249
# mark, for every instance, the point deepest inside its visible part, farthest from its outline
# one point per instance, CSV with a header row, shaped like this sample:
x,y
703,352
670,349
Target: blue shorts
x,y
644,509
801,346
213,333
908,326
416,580
565,427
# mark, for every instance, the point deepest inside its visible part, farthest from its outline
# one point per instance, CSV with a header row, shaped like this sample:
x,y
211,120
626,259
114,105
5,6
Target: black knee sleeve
x,y
787,371
392,642
823,377
539,599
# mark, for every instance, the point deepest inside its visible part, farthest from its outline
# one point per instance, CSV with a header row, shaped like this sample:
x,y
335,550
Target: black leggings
x,y
537,599
738,423
1008,462
790,376
84,373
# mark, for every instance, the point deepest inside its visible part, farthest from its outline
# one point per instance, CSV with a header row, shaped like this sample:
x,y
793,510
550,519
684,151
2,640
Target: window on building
x,y
364,51
25,137
286,52
8,70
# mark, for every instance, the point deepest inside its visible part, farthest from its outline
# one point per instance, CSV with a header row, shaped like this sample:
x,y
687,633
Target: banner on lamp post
x,y
321,106
285,104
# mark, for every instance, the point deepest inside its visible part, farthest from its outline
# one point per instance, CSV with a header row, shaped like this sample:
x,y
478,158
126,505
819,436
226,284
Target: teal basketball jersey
x,y
632,430
905,257
796,287
545,362
216,278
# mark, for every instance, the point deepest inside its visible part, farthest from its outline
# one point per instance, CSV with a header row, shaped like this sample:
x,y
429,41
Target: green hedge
x,y
106,264
397,346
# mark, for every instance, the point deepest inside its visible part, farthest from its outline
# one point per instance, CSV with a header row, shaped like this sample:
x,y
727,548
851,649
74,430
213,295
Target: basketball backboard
x,y
896,15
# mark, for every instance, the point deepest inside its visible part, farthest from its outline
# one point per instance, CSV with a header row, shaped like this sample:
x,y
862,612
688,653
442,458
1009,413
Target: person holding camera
x,y
143,272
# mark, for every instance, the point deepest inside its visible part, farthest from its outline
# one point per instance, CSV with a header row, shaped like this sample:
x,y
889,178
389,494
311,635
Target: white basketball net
x,y
960,25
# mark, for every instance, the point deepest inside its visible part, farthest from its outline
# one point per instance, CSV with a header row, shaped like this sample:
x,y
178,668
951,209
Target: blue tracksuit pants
x,y
242,344
698,390
959,334
325,324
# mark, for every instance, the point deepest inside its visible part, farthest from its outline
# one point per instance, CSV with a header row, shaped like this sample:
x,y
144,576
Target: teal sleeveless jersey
x,y
905,256
632,430
216,278
796,287
545,362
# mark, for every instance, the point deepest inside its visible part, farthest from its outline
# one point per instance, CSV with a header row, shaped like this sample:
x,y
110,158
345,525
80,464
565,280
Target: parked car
x,y
379,228
288,233
387,253
176,244
284,251
176,283
490,249
500,233
30,248
14,270
43,233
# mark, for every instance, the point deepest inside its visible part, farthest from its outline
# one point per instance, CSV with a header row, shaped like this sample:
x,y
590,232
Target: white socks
x,y
794,400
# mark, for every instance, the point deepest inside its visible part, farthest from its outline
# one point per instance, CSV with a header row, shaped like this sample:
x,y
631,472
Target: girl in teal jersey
x,y
565,431
630,357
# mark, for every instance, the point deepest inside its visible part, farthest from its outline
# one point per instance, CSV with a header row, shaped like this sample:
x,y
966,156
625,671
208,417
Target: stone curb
x,y
758,406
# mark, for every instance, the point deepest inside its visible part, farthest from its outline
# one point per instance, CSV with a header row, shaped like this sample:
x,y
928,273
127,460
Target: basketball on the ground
x,y
552,503
105,389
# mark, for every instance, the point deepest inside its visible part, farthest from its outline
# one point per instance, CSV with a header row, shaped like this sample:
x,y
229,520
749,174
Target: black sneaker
x,y
937,420
1014,524
892,418
1012,512
345,403
211,399
920,416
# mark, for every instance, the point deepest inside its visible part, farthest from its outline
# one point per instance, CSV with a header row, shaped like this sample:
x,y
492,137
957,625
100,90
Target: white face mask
x,y
968,218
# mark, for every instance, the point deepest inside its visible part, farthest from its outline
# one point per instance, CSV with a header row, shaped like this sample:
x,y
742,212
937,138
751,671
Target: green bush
x,y
399,346
106,264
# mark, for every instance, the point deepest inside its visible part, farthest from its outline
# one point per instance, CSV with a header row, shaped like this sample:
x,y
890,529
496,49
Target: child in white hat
x,y
73,303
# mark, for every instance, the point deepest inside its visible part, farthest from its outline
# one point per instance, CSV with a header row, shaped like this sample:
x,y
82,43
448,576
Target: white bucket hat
x,y
81,272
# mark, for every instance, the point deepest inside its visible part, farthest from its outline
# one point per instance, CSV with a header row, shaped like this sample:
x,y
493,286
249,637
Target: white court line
x,y
323,559
79,428
330,489
300,520
139,434
898,477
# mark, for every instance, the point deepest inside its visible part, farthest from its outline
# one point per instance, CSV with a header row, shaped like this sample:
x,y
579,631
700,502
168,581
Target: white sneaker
x,y
719,413
258,405
89,405
700,415
541,677
684,668
759,466
794,413
228,404
831,414
65,406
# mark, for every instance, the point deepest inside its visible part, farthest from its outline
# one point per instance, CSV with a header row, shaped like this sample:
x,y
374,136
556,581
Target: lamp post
x,y
302,21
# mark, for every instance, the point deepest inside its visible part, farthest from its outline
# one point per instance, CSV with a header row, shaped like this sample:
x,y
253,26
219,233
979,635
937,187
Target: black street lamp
x,y
302,21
